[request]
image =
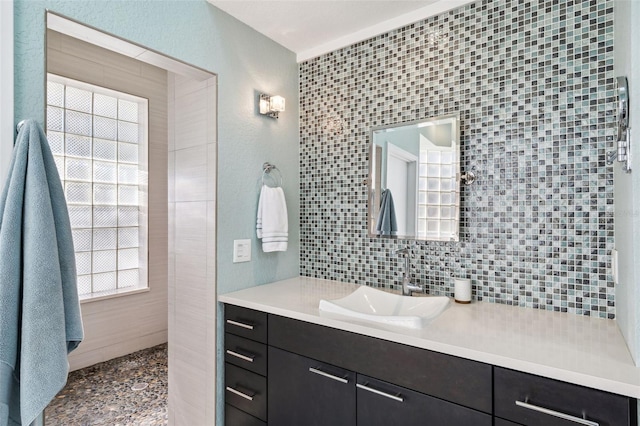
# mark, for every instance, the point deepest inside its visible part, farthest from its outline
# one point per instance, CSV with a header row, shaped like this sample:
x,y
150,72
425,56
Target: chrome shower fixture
x,y
623,151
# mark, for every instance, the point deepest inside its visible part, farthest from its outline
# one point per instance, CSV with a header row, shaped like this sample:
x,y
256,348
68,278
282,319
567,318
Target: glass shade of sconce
x,y
271,105
276,103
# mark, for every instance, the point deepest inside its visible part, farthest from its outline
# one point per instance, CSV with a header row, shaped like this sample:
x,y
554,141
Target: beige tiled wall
x,y
192,238
118,326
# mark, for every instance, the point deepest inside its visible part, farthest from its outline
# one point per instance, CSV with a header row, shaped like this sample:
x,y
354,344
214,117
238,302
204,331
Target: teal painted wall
x,y
626,186
246,63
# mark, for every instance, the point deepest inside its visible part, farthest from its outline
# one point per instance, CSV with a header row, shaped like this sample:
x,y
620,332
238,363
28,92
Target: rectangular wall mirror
x,y
414,180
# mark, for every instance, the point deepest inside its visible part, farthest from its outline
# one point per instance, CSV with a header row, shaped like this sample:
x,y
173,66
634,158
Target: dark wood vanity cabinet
x,y
536,401
502,422
246,391
245,367
382,404
322,376
290,372
458,380
303,391
246,323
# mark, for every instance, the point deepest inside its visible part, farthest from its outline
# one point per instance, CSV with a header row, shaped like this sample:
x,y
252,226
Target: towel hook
x,y
266,170
18,127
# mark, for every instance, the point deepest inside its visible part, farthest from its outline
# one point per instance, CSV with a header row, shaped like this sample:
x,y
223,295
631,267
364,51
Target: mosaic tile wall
x,y
534,85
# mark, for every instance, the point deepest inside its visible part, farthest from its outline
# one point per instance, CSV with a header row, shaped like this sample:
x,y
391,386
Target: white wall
x,y
6,87
192,250
125,324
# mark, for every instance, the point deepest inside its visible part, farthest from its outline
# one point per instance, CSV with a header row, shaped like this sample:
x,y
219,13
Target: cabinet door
x,y
383,404
306,392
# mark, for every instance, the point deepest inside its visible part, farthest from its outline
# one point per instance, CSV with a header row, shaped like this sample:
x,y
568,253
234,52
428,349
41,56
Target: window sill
x,y
112,294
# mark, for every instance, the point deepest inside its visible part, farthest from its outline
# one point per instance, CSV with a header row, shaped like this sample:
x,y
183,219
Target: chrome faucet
x,y
407,286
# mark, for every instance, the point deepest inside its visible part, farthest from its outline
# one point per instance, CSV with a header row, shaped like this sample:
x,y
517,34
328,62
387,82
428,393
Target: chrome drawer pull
x,y
377,392
242,394
556,414
248,358
331,376
240,324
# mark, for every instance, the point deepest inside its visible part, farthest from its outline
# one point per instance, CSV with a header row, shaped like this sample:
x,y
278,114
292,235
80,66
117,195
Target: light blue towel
x,y
387,224
40,319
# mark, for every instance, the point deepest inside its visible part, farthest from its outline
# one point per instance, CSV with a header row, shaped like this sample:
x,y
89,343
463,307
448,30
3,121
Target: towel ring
x,y
266,170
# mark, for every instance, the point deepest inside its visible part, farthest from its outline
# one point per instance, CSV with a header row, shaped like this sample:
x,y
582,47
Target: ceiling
x,y
313,27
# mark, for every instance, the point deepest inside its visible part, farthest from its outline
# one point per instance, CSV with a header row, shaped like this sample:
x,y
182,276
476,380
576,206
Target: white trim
x,y
116,293
7,130
394,150
381,28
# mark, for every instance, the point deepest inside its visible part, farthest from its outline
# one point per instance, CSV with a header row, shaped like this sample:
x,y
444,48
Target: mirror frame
x,y
372,210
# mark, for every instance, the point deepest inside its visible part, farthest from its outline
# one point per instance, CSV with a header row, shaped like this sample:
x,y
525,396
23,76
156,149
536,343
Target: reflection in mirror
x,y
414,180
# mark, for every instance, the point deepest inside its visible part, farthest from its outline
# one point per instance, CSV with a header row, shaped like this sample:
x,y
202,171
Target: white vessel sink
x,y
392,309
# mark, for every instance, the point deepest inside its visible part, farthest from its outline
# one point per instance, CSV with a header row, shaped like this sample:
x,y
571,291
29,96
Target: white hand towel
x,y
272,224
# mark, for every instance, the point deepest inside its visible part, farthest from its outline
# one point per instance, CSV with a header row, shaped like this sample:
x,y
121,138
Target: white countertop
x,y
576,349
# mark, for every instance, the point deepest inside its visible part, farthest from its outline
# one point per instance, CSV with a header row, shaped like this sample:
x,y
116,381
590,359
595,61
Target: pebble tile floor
x,y
109,393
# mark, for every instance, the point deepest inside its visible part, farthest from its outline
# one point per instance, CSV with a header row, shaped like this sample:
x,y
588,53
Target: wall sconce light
x,y
271,105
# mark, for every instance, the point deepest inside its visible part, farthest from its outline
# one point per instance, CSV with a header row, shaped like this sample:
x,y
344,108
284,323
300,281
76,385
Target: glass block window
x,y
99,142
438,210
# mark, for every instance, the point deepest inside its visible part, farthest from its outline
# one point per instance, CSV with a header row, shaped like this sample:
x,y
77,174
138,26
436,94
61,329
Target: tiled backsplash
x,y
534,84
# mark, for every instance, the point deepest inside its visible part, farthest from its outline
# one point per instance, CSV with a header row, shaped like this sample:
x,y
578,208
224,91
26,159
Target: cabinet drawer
x,y
454,379
246,390
382,404
235,417
512,387
246,323
305,392
245,353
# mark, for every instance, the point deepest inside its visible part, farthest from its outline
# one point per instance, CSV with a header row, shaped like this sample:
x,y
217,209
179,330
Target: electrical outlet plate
x,y
241,251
